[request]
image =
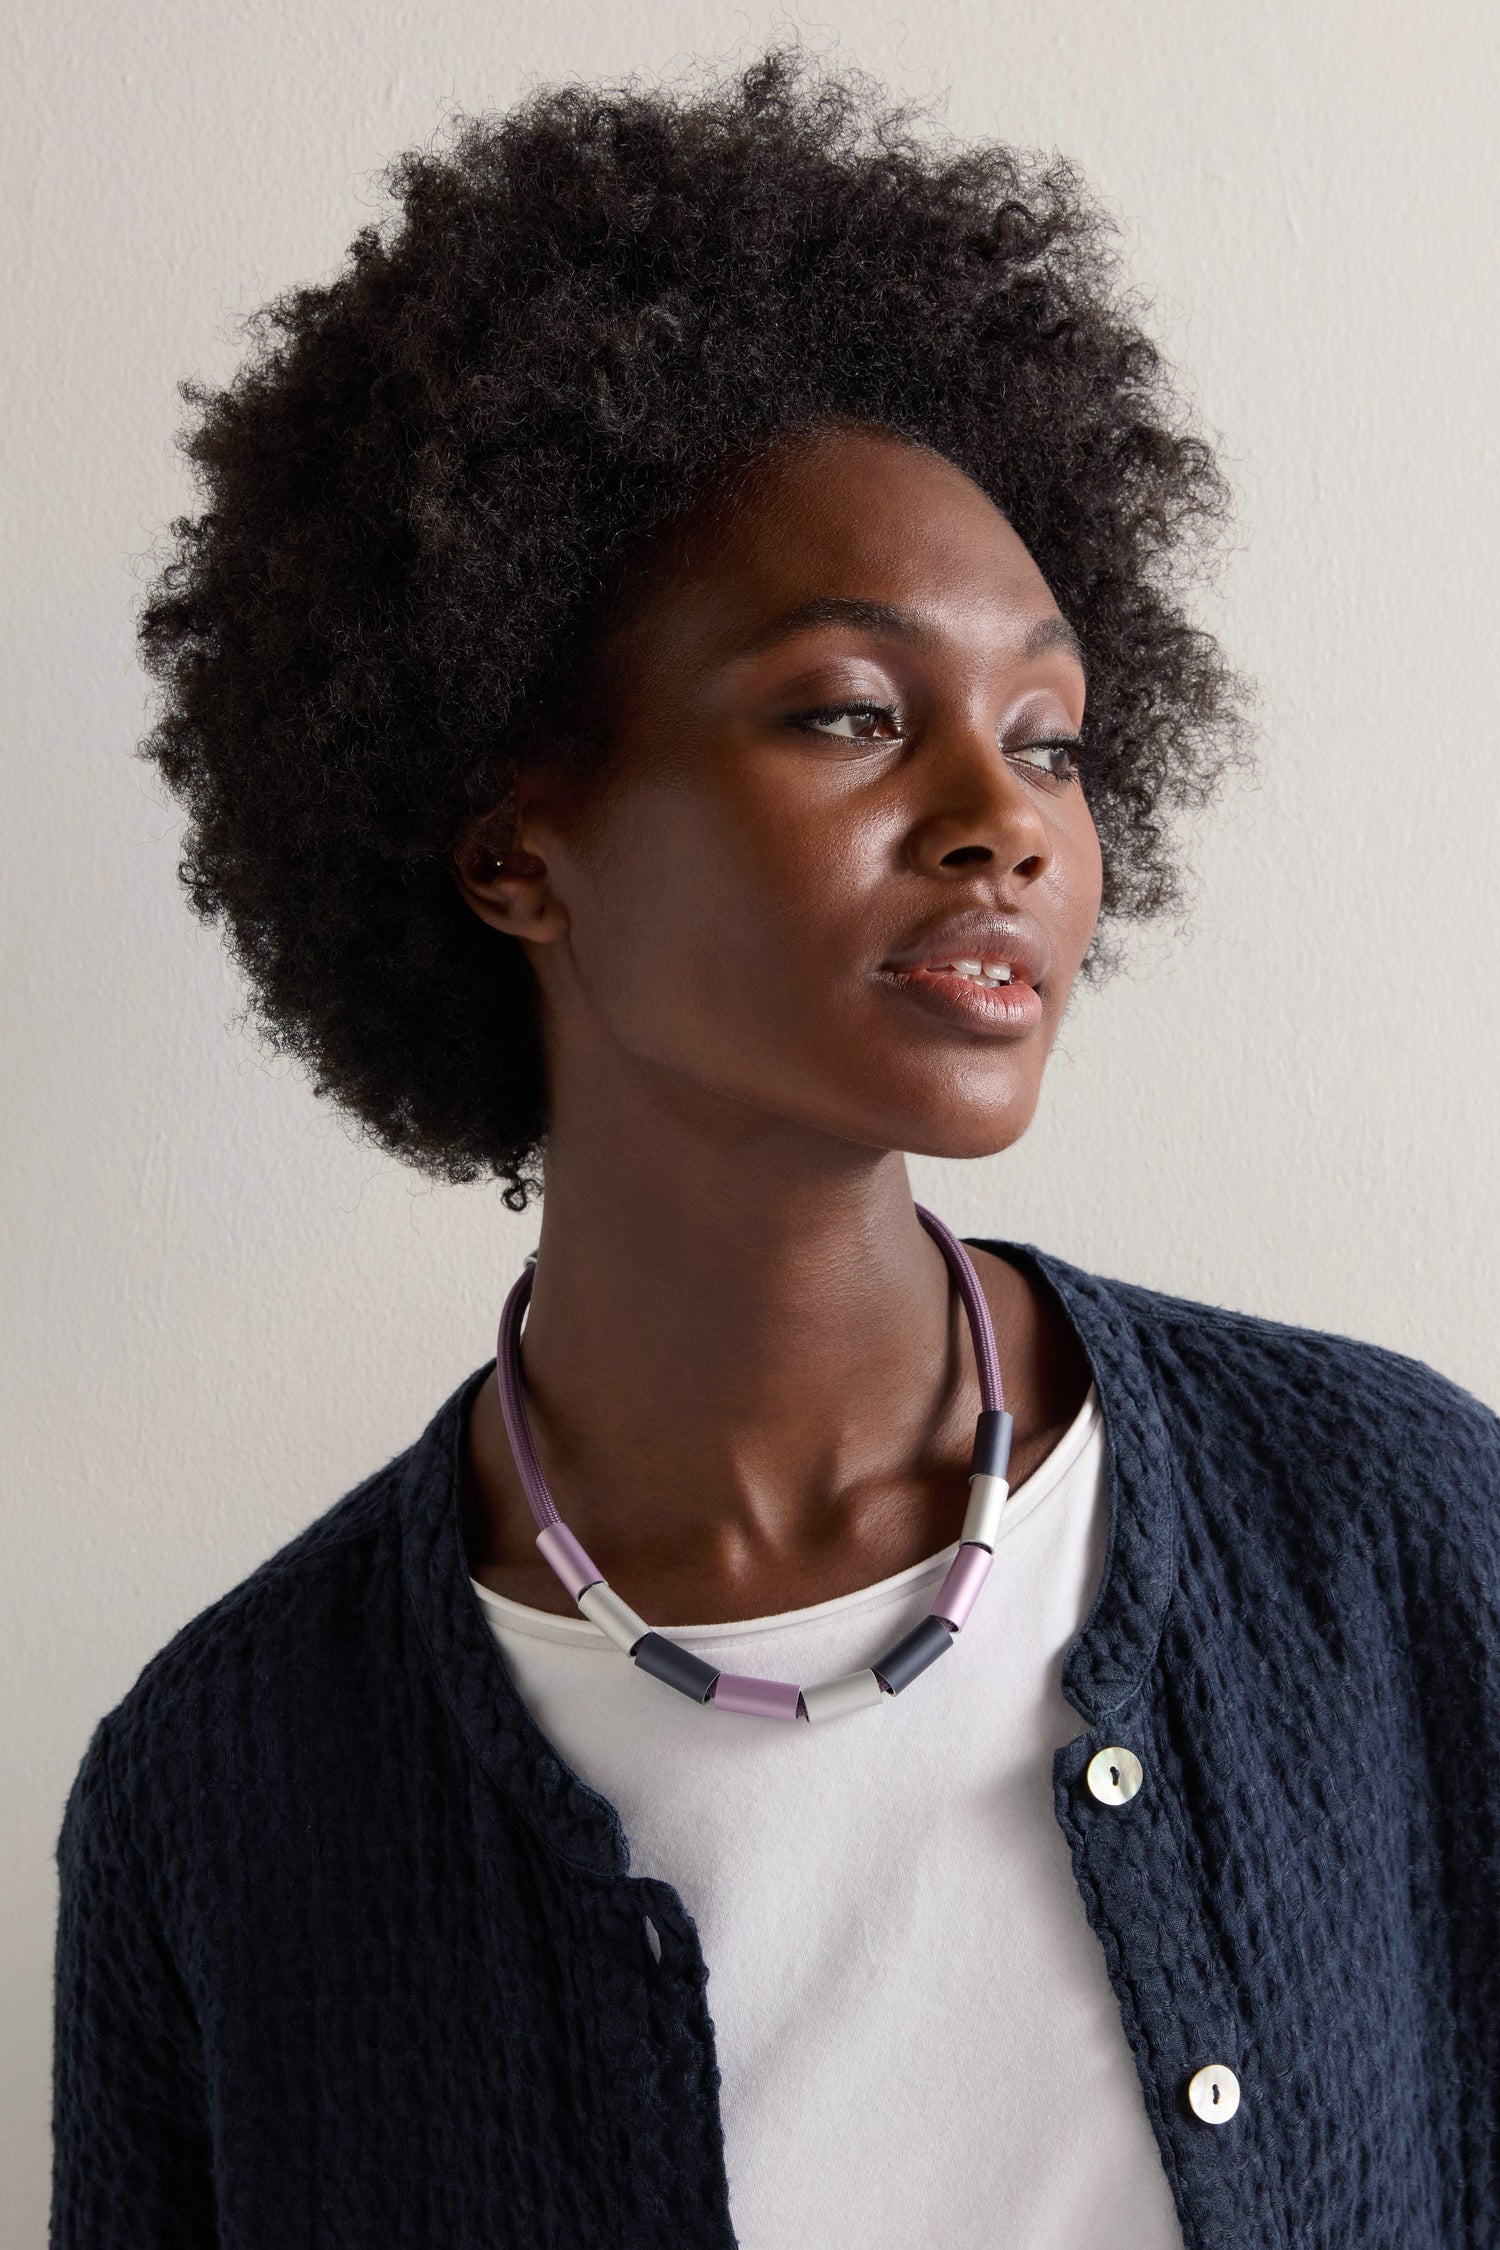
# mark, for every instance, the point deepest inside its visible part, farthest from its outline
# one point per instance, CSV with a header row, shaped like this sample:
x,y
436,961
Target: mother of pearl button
x,y
1114,1776
1214,2093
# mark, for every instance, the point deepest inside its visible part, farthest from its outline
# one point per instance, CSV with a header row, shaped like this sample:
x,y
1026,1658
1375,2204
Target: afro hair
x,y
426,481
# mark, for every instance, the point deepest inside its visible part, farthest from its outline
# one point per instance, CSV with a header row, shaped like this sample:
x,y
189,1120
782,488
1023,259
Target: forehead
x,y
850,514
844,514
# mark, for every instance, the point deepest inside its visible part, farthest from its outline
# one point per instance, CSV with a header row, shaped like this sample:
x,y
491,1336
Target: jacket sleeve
x,y
1452,1604
132,2160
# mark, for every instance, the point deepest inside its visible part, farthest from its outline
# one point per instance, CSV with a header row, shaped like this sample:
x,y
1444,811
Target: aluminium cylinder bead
x,y
992,1436
756,1698
664,1660
604,1608
956,1597
834,1699
912,1654
987,1498
572,1562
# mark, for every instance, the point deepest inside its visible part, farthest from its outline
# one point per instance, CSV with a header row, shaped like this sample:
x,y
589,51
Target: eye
x,y
851,722
1057,756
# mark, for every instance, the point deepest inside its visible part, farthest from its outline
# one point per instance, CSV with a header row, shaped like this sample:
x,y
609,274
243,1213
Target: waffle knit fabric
x,y
348,1956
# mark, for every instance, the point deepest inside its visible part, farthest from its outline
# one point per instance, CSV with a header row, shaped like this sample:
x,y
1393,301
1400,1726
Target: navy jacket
x,y
349,1957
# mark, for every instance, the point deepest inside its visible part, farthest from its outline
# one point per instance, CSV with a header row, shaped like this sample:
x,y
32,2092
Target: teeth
x,y
979,972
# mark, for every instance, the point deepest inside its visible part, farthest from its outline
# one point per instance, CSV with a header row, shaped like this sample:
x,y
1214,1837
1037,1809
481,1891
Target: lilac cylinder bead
x,y
760,1699
960,1589
570,1561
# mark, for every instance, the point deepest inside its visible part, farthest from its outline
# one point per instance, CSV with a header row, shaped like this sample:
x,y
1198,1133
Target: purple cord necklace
x,y
734,1691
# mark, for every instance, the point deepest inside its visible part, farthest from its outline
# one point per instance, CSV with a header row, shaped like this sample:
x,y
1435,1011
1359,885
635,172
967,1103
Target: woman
x,y
682,659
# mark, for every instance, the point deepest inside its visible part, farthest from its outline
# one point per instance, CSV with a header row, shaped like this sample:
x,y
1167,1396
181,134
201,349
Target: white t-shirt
x,y
916,2035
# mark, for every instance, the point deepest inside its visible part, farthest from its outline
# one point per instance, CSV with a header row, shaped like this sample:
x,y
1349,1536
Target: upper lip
x,y
979,935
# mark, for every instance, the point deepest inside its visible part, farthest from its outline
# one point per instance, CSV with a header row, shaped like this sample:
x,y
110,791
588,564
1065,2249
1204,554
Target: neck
x,y
735,1324
738,1303
750,1382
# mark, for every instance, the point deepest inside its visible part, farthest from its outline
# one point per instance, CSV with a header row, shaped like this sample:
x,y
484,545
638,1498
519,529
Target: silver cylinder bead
x,y
604,1608
833,1699
987,1498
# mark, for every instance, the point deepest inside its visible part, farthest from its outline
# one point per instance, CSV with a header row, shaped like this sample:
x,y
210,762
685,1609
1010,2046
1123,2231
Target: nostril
x,y
653,1938
968,855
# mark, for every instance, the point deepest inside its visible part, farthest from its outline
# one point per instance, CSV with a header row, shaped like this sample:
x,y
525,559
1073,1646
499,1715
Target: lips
x,y
976,947
977,972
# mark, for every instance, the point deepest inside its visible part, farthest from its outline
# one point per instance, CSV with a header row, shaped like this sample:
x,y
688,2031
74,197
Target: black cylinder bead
x,y
912,1654
664,1660
991,1445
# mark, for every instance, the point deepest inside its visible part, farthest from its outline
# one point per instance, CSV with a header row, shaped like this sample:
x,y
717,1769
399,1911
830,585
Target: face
x,y
841,868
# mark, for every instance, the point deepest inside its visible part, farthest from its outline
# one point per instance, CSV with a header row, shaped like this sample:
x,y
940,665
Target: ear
x,y
506,884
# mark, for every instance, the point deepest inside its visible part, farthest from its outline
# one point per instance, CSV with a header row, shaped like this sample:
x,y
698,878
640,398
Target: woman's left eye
x,y
851,722
1057,757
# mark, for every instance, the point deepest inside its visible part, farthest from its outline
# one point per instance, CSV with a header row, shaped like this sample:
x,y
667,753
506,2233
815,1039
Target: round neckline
x,y
546,1624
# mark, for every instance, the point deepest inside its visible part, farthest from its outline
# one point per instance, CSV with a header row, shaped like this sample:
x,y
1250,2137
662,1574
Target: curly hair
x,y
427,481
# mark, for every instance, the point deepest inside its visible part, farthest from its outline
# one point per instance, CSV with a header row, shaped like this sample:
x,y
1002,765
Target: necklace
x,y
734,1691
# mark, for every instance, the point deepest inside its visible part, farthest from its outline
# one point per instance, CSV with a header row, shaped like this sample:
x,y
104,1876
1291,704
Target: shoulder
x,y
1292,1408
1328,1492
269,1618
317,1627
1315,1388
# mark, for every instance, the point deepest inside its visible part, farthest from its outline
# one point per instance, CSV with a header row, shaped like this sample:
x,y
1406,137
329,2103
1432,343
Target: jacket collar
x,y
1107,1664
574,1820
1104,1667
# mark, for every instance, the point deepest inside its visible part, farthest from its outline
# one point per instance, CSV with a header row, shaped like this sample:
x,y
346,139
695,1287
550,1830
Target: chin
x,y
959,1129
942,1140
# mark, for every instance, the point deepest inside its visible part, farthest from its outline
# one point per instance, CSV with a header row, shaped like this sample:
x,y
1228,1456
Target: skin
x,y
749,1381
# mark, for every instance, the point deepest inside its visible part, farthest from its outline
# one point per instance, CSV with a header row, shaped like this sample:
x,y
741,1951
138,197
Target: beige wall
x,y
222,1311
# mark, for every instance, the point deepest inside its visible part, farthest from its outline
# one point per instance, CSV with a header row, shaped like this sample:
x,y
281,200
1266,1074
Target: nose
x,y
975,811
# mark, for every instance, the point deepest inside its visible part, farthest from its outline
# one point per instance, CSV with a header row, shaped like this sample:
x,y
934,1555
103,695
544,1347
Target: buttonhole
x,y
1114,1775
653,1939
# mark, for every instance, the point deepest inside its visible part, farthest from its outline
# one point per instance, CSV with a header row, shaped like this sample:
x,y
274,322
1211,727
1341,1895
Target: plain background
x,y
222,1309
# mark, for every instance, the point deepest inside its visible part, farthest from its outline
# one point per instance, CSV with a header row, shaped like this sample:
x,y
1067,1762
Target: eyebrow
x,y
894,624
1053,632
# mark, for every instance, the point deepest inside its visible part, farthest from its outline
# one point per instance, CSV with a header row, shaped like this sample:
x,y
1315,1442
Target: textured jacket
x,y
349,1958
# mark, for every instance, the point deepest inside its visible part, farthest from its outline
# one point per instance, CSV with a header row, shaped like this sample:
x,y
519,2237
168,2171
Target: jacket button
x,y
1214,2093
1114,1776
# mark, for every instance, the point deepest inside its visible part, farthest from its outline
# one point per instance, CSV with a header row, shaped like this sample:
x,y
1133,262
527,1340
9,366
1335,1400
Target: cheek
x,y
1077,878
729,936
689,920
